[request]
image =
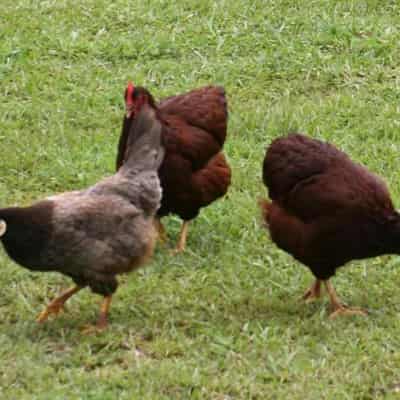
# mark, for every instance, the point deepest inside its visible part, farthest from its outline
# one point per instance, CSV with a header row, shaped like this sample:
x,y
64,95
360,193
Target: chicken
x,y
326,210
194,172
95,234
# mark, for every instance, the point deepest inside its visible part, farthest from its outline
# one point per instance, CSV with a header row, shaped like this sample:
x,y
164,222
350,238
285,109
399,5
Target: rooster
x,y
194,172
326,210
95,234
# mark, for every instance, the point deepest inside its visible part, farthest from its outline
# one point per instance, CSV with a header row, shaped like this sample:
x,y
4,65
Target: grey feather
x,y
144,150
107,229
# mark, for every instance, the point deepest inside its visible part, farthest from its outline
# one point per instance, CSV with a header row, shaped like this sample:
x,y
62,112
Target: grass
x,y
222,321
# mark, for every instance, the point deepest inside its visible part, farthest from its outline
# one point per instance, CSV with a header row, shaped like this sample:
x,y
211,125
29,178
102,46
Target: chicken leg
x,y
57,304
314,292
102,321
180,247
338,307
162,234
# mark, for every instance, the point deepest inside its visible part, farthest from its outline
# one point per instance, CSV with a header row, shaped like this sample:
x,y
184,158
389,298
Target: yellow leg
x,y
314,292
180,247
162,234
102,321
338,307
57,304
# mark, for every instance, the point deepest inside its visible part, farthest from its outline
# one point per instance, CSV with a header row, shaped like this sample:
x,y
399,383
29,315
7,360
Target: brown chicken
x,y
194,172
95,234
326,210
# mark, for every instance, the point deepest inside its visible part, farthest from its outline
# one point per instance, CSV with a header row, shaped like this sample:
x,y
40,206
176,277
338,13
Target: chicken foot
x,y
57,304
102,321
338,307
314,292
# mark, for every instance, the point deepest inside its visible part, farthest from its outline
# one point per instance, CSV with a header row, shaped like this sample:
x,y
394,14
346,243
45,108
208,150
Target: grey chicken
x,y
95,234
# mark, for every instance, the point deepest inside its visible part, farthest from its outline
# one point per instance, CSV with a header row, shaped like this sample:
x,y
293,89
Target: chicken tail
x,y
213,180
144,150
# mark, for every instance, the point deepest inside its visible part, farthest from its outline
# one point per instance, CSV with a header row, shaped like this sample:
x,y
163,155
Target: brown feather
x,y
194,172
326,210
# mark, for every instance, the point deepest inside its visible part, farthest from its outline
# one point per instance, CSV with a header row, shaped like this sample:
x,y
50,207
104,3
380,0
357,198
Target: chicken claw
x,y
50,309
92,329
345,310
57,304
338,307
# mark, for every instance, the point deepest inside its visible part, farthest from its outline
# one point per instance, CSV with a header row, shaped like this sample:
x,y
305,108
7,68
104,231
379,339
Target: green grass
x,y
224,320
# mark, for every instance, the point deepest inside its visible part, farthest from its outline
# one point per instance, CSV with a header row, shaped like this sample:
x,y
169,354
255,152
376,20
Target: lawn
x,y
225,319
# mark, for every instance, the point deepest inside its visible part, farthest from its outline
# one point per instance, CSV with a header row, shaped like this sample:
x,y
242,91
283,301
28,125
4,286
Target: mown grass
x,y
224,320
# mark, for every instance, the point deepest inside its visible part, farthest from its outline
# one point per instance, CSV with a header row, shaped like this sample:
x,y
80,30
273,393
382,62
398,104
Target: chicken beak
x,y
3,227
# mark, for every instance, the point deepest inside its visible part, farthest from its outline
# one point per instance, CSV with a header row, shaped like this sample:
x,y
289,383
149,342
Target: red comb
x,y
129,92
